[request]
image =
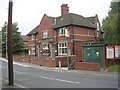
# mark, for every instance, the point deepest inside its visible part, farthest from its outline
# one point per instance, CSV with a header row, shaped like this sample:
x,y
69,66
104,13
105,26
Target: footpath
x,y
62,69
65,69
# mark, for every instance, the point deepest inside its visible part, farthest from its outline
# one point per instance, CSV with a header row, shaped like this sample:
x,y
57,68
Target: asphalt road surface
x,y
26,77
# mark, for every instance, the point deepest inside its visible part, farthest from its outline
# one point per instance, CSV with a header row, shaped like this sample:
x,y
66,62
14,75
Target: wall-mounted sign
x,y
113,52
117,52
110,52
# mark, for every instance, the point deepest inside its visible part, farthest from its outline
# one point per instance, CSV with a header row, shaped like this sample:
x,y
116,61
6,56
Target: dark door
x,y
93,54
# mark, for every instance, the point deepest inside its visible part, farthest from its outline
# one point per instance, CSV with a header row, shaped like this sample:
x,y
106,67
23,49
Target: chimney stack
x,y
64,9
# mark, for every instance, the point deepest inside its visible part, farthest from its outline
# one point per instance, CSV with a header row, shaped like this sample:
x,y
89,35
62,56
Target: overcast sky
x,y
28,13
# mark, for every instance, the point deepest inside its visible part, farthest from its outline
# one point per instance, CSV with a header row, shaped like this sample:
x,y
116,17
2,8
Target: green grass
x,y
114,68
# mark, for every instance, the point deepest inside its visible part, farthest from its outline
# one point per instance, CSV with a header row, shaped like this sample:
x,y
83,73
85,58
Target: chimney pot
x,y
64,9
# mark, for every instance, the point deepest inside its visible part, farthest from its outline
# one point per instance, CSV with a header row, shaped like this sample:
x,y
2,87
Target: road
x,y
26,77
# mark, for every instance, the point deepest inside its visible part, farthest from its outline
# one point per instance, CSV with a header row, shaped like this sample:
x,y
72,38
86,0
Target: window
x,y
98,27
88,33
45,34
62,47
62,31
33,50
33,37
97,33
46,48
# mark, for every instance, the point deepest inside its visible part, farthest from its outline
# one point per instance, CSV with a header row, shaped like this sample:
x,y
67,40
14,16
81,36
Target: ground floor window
x,y
62,48
33,50
46,48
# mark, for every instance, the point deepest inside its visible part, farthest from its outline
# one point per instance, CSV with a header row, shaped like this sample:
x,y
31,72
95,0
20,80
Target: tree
x,y
111,25
16,39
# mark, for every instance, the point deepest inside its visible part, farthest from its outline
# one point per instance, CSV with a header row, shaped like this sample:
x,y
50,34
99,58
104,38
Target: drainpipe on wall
x,y
57,42
35,45
73,41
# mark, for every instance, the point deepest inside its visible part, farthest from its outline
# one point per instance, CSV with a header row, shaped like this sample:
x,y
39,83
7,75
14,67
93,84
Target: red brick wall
x,y
80,36
82,33
64,60
45,24
87,66
78,50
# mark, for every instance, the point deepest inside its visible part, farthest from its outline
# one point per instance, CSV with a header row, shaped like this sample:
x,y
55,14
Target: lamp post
x,y
6,38
10,54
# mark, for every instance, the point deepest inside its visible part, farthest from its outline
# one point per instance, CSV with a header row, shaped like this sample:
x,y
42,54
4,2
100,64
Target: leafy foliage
x,y
17,41
111,26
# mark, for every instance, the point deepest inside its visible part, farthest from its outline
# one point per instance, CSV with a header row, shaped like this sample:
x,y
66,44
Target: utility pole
x,y
10,55
6,39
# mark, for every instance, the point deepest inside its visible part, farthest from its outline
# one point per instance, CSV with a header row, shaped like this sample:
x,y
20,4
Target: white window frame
x,y
46,48
33,50
98,26
62,48
88,33
62,31
33,37
45,34
97,33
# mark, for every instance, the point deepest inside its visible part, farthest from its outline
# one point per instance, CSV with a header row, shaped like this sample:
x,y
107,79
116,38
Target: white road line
x,y
64,80
47,78
15,84
59,80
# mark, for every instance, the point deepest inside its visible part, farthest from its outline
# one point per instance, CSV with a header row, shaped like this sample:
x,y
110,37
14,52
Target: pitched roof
x,y
51,18
73,19
91,19
69,19
34,31
25,38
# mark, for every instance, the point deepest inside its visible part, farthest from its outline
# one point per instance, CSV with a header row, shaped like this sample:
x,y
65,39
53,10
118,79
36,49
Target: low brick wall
x,y
49,63
64,60
87,66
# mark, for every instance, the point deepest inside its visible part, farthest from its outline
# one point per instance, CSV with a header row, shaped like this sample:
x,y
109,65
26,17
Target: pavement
x,y
62,69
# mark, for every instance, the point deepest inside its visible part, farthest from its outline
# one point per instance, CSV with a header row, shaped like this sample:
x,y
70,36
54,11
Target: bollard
x,y
59,64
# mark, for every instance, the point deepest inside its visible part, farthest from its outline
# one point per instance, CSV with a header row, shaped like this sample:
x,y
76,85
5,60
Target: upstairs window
x,y
61,31
33,37
98,27
45,34
33,50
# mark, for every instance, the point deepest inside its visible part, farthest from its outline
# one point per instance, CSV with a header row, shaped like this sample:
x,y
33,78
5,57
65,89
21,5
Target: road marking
x,y
64,80
59,80
47,78
15,84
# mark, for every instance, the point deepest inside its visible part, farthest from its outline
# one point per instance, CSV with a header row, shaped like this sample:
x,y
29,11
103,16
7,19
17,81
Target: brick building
x,y
58,38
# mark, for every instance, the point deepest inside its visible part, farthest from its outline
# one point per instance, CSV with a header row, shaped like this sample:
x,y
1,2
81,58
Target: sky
x,y
28,13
